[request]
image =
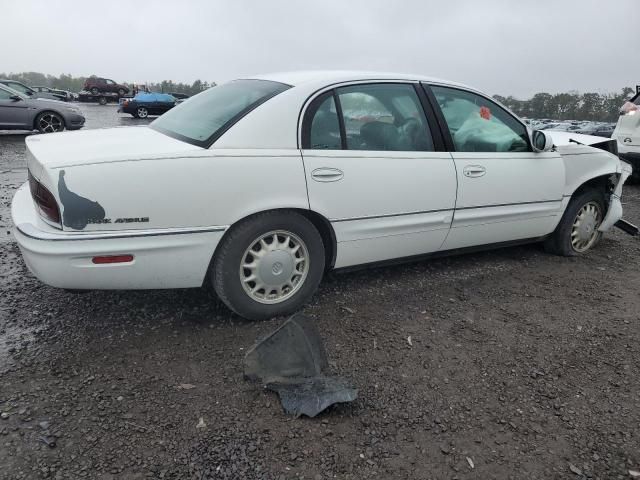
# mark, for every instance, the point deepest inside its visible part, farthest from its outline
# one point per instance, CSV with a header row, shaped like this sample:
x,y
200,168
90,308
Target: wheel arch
x,y
600,182
322,224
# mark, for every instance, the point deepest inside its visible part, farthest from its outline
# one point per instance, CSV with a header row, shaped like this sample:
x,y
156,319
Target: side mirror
x,y
541,141
15,98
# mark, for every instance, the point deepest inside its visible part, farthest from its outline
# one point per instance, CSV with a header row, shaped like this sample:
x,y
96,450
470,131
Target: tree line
x,y
603,107
75,84
572,105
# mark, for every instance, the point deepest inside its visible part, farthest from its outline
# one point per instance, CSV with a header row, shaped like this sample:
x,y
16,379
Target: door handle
x,y
325,174
474,171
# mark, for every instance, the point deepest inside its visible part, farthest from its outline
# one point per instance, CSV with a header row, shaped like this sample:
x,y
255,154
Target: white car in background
x,y
258,186
627,133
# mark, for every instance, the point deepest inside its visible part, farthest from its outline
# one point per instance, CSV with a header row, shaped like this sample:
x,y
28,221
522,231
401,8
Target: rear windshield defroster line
x,y
204,118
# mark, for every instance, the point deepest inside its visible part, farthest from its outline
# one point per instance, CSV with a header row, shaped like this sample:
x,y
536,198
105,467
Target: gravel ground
x,y
520,365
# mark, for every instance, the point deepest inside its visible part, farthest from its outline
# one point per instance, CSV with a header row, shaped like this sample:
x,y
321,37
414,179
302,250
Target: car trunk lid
x,y
87,147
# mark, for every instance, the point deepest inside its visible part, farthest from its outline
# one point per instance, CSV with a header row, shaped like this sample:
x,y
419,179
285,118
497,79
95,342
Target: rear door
x,y
376,168
506,191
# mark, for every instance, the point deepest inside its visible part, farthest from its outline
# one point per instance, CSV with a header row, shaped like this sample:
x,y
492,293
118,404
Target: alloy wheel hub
x,y
274,267
585,227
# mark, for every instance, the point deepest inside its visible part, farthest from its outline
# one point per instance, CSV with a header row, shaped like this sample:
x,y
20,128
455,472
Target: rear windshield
x,y
202,119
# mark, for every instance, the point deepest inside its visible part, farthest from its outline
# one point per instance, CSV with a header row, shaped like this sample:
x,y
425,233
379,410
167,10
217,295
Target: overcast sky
x,y
509,47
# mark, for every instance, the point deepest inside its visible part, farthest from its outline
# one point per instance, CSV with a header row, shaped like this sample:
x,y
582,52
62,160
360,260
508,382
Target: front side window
x,y
201,119
386,116
110,82
4,95
477,124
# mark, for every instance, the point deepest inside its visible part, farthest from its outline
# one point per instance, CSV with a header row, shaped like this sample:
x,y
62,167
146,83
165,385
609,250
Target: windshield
x,y
11,91
202,119
18,87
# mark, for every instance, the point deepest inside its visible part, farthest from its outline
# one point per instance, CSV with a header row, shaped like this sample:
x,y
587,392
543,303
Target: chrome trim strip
x,y
373,217
31,231
509,204
386,215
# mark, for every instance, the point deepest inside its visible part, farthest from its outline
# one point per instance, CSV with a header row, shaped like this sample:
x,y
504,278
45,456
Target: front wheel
x,y
577,232
49,122
121,92
94,91
269,265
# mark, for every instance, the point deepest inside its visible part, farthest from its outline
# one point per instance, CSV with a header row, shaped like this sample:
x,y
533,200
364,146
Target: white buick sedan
x,y
258,186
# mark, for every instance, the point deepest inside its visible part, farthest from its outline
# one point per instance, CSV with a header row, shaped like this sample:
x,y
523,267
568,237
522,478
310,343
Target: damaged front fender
x,y
614,213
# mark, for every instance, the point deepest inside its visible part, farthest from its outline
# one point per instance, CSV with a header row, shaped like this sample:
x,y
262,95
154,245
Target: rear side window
x,y
477,124
384,117
375,117
323,132
203,118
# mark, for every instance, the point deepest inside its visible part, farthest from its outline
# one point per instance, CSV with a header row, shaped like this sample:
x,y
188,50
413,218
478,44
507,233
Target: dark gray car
x,y
28,91
19,112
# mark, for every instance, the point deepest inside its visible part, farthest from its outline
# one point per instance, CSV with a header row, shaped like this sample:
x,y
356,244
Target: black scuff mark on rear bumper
x,y
78,211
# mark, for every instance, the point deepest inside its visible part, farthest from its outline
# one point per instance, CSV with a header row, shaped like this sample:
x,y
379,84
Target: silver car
x,y
19,112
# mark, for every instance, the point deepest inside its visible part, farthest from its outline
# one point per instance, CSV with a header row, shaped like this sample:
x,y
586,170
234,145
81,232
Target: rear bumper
x,y
630,154
633,158
162,258
126,109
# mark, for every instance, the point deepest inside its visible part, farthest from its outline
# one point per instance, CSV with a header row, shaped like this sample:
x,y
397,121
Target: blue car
x,y
145,104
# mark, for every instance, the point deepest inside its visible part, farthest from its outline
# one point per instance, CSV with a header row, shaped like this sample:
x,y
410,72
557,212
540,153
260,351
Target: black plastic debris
x,y
48,441
291,361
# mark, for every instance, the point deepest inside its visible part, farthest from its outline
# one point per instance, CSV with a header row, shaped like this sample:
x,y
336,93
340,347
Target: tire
x,y
121,92
300,278
95,91
102,100
49,122
586,235
141,112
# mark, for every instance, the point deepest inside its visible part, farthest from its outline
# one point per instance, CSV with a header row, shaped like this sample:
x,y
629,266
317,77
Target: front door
x,y
13,113
506,191
373,171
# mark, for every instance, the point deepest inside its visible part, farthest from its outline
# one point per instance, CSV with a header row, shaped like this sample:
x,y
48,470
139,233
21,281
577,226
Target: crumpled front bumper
x,y
614,214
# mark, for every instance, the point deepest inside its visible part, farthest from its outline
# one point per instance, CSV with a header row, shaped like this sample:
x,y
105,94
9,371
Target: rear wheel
x,y
95,91
269,265
577,232
49,122
142,112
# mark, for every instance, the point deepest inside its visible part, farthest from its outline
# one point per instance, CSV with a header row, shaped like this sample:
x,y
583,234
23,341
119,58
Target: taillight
x,y
45,201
